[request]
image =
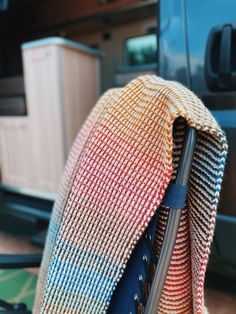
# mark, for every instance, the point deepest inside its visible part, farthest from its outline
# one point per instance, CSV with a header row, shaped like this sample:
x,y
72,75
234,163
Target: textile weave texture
x,y
115,179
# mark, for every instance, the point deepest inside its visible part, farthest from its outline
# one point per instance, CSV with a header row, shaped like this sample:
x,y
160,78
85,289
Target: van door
x,y
211,36
197,47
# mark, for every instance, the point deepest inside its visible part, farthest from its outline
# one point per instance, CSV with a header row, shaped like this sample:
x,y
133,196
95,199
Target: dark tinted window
x,y
141,50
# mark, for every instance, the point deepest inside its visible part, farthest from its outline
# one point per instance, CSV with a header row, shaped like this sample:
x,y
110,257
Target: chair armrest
x,y
20,260
15,312
13,308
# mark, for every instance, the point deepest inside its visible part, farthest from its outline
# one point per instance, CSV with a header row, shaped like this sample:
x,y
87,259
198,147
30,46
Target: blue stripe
x,y
73,277
53,230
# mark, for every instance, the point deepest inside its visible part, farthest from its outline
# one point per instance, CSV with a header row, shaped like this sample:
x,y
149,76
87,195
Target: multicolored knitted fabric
x,y
115,179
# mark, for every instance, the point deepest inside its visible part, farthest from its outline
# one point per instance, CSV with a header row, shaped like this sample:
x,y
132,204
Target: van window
x,y
141,50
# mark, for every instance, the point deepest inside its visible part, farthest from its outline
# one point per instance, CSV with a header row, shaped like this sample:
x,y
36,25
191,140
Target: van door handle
x,y
220,61
225,51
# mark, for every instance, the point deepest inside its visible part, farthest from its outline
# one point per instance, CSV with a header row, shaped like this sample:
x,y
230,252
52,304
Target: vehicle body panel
x,y
184,29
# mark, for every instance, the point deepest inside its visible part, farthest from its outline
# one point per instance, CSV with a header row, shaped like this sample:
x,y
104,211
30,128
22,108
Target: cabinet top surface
x,y
61,42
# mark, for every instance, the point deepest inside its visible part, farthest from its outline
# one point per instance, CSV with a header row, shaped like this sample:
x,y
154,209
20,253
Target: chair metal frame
x,y
182,179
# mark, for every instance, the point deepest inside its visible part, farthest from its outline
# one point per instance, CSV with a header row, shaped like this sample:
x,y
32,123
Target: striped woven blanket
x,y
115,179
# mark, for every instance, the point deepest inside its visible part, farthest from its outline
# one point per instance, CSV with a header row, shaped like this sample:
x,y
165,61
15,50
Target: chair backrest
x,y
115,179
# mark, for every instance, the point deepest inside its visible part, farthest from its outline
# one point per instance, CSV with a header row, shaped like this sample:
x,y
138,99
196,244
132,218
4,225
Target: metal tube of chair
x,y
182,178
8,261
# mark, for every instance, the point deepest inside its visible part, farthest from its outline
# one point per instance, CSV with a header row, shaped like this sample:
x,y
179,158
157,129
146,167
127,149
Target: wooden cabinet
x,y
62,85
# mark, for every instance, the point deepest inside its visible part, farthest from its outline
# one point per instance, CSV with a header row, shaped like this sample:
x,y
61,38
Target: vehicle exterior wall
x,y
184,29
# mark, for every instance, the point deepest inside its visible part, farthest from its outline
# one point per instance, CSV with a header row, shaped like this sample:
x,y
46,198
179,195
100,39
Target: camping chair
x,y
139,290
